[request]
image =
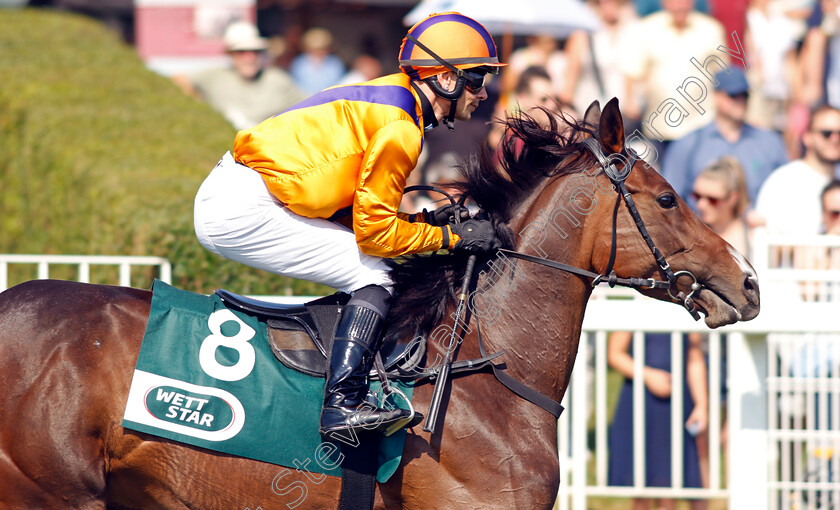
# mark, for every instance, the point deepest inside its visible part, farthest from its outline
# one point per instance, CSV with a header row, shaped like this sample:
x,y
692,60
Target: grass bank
x,y
102,156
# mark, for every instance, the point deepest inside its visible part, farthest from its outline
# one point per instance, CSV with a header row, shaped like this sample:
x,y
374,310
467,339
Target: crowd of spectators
x,y
699,79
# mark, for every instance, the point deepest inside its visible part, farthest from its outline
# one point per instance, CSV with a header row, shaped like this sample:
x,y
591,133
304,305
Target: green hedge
x,y
102,156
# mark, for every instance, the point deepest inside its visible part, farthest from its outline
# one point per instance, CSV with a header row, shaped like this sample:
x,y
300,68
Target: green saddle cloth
x,y
206,376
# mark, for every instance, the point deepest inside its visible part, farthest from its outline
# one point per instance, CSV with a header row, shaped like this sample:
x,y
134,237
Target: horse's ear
x,y
611,128
593,114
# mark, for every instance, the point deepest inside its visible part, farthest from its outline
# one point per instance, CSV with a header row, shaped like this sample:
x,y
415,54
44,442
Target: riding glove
x,y
445,214
477,236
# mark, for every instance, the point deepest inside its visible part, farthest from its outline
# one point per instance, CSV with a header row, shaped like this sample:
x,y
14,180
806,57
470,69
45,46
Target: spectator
x,y
533,91
647,7
732,15
820,71
316,68
658,58
831,208
771,44
813,70
758,151
365,68
720,192
594,59
542,51
657,405
250,91
789,201
828,257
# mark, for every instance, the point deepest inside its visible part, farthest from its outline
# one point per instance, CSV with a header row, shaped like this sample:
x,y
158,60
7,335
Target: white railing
x,y
783,403
83,264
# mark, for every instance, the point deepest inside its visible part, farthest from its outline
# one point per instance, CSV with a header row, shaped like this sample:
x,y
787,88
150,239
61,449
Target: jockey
x,y
344,154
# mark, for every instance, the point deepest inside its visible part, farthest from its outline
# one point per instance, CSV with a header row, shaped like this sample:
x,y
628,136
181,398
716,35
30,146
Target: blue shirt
x,y
759,151
313,76
645,7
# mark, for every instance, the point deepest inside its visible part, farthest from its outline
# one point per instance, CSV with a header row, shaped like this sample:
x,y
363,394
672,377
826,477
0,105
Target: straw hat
x,y
244,36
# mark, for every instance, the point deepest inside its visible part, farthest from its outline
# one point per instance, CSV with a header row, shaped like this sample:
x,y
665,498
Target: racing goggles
x,y
474,81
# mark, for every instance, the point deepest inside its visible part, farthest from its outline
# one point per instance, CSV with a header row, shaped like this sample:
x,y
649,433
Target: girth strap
x,y
358,473
531,395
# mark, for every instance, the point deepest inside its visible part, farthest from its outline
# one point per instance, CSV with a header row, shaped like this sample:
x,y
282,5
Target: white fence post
x,y
580,402
747,401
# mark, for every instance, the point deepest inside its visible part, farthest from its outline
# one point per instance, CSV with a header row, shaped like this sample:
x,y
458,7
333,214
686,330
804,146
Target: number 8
x,y
238,342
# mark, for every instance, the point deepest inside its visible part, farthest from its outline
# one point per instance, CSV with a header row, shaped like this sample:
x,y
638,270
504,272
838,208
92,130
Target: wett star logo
x,y
203,412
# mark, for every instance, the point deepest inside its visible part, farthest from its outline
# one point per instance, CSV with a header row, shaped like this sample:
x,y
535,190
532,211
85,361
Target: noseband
x,y
617,177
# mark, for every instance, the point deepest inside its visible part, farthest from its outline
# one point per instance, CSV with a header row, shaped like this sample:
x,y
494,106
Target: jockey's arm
x,y
380,230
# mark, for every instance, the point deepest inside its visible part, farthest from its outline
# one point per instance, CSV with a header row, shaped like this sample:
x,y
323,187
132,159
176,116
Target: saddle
x,y
315,322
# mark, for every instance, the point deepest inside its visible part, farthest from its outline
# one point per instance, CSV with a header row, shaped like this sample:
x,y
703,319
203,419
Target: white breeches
x,y
236,217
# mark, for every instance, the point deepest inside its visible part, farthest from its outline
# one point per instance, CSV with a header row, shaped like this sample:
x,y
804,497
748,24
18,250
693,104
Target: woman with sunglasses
x,y
721,201
313,193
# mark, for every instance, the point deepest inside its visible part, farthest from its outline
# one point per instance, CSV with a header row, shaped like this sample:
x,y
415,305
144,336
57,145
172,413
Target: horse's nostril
x,y
748,283
751,288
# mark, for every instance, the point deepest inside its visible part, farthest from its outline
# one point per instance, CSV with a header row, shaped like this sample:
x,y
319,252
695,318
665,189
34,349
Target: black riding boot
x,y
357,339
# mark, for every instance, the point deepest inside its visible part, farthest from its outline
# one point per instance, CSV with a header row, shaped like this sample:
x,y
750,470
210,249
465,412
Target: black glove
x,y
445,214
477,236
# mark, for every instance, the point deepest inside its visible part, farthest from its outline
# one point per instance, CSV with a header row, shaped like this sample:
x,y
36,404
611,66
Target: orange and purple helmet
x,y
446,40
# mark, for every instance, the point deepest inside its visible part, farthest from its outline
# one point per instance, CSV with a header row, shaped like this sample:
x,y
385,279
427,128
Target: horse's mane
x,y
496,182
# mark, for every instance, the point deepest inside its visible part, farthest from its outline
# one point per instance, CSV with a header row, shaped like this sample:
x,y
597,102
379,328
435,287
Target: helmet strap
x,y
434,55
429,118
449,120
451,95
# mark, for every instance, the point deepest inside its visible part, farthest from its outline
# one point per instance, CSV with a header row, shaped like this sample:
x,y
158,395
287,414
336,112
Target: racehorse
x,y
67,350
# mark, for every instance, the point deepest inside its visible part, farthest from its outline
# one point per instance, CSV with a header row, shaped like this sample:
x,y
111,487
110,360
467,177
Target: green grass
x,y
102,156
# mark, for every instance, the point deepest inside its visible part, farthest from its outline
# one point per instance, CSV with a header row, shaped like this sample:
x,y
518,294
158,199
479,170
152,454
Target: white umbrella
x,y
557,18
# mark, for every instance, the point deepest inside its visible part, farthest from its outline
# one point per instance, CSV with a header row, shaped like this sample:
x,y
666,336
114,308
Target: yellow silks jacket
x,y
351,145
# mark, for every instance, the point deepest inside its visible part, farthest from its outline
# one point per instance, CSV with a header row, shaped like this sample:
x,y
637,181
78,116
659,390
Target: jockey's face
x,y
468,101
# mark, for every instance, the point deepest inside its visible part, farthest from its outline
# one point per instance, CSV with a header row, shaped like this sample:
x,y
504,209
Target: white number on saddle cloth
x,y
238,342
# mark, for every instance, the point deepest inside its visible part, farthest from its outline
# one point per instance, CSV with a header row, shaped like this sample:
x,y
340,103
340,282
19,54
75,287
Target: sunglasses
x,y
826,133
475,81
715,201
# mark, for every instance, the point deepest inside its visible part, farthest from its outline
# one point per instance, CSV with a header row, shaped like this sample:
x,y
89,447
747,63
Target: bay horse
x,y
67,350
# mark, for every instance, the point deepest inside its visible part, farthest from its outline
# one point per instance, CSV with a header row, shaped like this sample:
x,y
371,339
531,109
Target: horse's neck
x,y
537,312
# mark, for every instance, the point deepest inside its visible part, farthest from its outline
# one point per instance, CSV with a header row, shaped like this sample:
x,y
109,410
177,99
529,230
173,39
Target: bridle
x,y
617,177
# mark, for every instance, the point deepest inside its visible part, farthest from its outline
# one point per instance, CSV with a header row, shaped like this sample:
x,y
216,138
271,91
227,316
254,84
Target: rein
x,y
617,178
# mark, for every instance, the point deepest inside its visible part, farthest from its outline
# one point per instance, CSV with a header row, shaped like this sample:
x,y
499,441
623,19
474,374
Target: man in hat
x,y
313,193
759,151
250,91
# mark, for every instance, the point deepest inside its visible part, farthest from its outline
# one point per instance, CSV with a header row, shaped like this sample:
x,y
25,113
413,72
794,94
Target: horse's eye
x,y
667,201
